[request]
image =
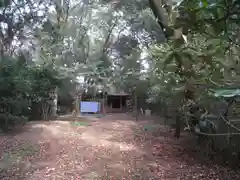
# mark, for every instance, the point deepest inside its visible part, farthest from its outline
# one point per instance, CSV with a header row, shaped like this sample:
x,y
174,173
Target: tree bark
x,y
136,104
54,103
103,105
45,110
77,105
178,125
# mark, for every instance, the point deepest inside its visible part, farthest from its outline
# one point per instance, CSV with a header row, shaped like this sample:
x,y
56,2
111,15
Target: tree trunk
x,y
178,125
103,106
77,105
136,104
36,111
45,110
54,103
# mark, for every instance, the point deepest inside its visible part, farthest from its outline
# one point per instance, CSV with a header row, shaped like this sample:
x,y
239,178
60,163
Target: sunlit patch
x,y
54,130
38,125
125,147
97,141
62,122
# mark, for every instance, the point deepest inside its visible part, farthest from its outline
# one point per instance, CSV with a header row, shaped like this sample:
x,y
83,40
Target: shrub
x,y
9,122
3,122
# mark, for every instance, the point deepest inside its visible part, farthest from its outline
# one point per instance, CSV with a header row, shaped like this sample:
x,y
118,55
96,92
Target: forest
x,y
179,58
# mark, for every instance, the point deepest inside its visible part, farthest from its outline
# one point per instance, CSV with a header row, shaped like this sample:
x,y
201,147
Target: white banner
x,y
90,106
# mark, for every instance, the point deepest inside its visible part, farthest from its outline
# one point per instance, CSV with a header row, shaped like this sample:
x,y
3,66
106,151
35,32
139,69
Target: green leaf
x,y
178,58
169,59
204,3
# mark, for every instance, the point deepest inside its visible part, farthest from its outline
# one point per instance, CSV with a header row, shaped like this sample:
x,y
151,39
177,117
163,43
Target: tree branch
x,y
106,43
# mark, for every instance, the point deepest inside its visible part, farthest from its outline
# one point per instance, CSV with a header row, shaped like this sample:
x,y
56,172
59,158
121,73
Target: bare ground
x,y
113,147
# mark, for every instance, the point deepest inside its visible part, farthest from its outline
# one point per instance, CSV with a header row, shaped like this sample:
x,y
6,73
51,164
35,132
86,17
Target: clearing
x,y
112,147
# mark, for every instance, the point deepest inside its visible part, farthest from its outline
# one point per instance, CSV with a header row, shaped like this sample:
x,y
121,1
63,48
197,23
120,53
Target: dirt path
x,y
108,148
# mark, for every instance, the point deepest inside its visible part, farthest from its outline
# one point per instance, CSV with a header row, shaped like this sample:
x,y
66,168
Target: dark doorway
x,y
116,102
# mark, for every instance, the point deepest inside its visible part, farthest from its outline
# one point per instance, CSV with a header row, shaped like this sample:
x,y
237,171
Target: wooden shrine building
x,y
116,102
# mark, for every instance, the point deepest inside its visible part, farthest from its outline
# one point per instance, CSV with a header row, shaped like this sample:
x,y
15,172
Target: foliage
x,y
200,55
194,58
28,84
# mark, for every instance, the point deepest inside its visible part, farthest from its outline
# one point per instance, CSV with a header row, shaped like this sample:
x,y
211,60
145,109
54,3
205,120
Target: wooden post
x,y
121,102
106,104
77,106
136,104
178,124
103,106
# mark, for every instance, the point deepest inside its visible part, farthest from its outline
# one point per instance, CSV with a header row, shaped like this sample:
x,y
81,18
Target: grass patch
x,y
149,128
79,123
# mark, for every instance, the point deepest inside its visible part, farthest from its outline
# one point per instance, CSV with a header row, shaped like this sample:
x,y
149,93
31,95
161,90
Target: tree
x,y
19,18
29,82
199,52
